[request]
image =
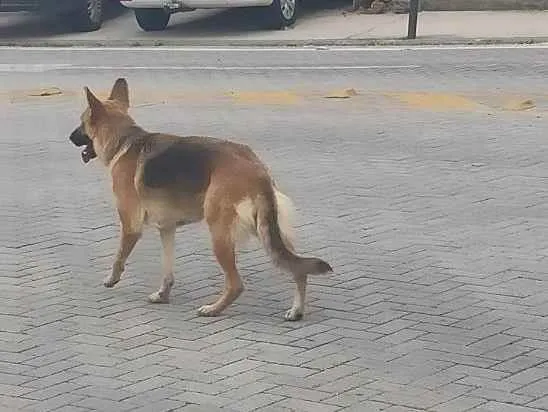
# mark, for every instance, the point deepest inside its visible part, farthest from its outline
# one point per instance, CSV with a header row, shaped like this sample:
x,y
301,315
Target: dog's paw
x,y
158,297
293,314
207,310
110,281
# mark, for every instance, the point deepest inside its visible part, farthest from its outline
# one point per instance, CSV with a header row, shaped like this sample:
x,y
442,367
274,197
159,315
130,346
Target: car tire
x,y
88,16
283,13
152,19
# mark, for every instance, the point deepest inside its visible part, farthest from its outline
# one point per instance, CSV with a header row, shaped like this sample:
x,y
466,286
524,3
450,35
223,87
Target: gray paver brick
x,y
541,403
99,404
145,373
300,393
305,406
346,383
55,403
501,396
460,404
255,402
15,402
504,407
10,379
54,379
519,363
291,371
202,399
99,381
53,368
536,389
238,367
367,405
52,391
116,395
149,384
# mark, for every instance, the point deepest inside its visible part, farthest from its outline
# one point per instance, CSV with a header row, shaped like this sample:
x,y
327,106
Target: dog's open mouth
x,y
79,138
88,153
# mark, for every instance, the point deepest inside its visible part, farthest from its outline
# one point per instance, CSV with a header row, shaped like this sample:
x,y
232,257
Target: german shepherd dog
x,y
170,181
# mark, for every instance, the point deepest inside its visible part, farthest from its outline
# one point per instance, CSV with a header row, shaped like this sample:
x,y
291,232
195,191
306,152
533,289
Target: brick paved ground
x,y
435,222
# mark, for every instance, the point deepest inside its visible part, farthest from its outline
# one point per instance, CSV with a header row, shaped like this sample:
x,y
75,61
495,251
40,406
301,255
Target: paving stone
x,y
300,393
519,363
504,407
305,406
72,408
149,384
52,391
202,399
100,404
255,402
55,403
10,379
54,379
460,404
501,396
163,405
541,403
536,389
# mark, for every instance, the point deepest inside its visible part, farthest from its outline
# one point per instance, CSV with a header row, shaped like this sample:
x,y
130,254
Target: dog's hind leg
x,y
296,312
297,309
221,228
167,236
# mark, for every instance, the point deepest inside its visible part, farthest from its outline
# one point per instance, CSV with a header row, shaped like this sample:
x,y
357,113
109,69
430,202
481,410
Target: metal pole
x,y
413,14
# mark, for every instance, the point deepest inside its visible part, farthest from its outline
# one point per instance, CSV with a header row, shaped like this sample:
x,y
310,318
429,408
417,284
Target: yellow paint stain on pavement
x,y
25,95
264,97
48,91
342,94
434,101
519,105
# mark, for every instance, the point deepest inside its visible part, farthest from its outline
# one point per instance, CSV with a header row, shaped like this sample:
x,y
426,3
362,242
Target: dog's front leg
x,y
127,243
130,233
168,244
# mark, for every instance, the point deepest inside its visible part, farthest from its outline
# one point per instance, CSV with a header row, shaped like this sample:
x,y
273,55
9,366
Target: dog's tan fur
x,y
170,181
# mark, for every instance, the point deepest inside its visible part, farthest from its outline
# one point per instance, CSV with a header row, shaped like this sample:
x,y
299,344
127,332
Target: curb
x,y
482,5
424,41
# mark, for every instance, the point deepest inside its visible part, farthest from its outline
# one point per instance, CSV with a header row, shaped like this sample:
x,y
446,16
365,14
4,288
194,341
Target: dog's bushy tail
x,y
273,210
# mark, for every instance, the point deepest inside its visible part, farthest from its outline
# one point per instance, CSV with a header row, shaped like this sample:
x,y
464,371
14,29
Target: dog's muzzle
x,y
79,138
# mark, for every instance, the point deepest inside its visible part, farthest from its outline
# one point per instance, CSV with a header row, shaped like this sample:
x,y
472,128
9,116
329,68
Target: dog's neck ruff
x,y
134,136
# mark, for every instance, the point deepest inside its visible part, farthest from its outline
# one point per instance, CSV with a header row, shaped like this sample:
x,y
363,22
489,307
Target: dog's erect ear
x,y
95,105
120,92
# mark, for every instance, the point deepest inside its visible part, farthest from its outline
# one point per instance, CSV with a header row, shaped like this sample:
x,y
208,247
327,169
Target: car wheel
x,y
283,13
152,19
88,16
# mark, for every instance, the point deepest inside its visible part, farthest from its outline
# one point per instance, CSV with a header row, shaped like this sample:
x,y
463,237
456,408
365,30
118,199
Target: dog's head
x,y
102,122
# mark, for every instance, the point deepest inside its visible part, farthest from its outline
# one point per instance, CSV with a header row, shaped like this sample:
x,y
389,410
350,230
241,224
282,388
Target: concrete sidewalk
x,y
315,26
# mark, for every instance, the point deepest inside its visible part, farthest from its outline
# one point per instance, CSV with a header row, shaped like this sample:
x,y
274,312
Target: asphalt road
x,y
424,187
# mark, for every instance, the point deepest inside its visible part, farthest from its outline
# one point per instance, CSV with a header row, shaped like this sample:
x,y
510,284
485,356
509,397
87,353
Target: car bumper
x,y
192,4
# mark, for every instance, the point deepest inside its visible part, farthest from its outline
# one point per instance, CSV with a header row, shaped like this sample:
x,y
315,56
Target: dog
x,y
169,181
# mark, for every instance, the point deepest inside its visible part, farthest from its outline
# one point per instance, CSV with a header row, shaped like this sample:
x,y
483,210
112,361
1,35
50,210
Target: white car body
x,y
154,15
176,5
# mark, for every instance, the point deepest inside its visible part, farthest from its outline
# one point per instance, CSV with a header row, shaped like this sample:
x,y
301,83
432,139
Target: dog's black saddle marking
x,y
186,164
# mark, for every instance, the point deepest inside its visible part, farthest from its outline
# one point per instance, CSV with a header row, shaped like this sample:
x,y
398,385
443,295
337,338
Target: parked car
x,y
80,15
154,15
